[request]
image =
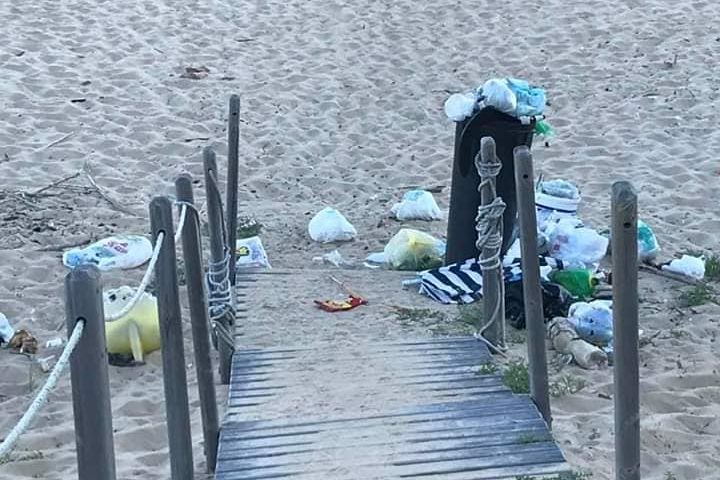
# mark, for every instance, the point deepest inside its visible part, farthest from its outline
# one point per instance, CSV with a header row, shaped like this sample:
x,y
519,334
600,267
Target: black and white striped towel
x,y
462,282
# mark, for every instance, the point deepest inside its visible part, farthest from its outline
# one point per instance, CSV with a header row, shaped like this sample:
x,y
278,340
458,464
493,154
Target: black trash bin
x,y
508,133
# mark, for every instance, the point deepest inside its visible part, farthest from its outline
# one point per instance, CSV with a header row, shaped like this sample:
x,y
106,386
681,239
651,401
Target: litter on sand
x,y
250,253
135,333
687,265
334,258
352,301
417,205
6,330
119,252
329,225
414,250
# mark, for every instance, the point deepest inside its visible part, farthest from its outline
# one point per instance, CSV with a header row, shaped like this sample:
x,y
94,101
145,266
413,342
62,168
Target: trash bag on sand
x,y
329,225
417,205
414,250
575,245
118,252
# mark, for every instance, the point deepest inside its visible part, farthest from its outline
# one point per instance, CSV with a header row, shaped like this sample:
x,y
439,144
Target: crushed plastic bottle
x,y
593,321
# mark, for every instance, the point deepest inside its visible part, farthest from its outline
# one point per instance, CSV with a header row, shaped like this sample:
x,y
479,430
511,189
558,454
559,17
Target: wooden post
x,y
89,375
232,179
171,340
194,273
217,249
493,282
532,294
625,331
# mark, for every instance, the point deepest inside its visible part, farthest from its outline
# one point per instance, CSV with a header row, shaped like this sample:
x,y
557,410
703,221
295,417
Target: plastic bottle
x,y
579,282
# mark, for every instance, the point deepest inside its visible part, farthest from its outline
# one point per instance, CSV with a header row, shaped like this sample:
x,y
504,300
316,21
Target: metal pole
x,y
89,375
192,252
217,248
232,180
171,339
625,328
493,286
532,294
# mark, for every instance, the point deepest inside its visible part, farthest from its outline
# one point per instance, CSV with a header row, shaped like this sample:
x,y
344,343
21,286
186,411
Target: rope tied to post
x,y
220,299
489,228
11,439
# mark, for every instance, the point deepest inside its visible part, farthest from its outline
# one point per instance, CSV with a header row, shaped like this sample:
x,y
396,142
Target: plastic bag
x,y
417,205
6,330
530,100
123,251
556,301
460,106
593,321
329,225
648,246
250,253
497,94
414,250
575,245
693,267
333,258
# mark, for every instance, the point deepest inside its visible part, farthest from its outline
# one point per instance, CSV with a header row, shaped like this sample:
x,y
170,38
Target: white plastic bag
x,y
689,266
414,250
460,106
497,94
555,199
122,251
249,253
575,245
6,330
329,225
417,205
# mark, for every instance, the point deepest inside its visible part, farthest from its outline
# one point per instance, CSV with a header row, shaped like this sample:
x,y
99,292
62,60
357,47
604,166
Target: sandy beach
x,y
342,105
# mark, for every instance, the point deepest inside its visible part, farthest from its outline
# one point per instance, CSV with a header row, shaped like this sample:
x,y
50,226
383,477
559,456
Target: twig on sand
x,y
115,204
669,275
59,140
196,139
54,184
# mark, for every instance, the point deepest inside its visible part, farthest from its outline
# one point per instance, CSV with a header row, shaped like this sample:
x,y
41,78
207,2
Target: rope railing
x,y
147,278
11,439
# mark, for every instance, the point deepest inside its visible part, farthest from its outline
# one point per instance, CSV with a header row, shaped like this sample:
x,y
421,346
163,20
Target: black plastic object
x,y
508,133
556,302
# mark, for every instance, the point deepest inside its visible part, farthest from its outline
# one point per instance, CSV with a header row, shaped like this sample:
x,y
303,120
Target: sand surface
x,y
342,106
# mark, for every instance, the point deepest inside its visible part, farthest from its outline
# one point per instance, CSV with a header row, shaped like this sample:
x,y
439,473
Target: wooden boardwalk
x,y
422,410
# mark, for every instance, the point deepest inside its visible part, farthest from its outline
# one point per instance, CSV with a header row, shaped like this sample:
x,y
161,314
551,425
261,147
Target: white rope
x,y
150,270
220,304
9,443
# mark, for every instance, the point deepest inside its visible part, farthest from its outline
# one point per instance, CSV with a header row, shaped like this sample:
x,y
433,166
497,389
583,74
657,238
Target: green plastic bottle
x,y
579,282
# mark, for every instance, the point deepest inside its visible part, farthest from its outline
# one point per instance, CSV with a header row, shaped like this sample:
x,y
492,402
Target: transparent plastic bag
x,y
414,250
417,205
329,225
250,253
575,245
460,106
593,321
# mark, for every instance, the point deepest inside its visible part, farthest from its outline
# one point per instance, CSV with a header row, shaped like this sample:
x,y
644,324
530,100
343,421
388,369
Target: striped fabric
x,y
462,282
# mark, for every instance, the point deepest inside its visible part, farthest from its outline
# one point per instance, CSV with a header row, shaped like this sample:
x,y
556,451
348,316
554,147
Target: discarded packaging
x,y
250,253
353,301
333,258
689,266
556,301
136,333
119,252
417,205
593,321
564,339
414,250
23,342
329,225
45,363
6,330
648,246
577,246
55,343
